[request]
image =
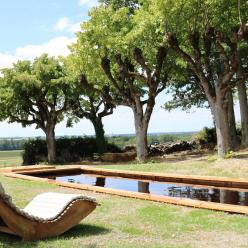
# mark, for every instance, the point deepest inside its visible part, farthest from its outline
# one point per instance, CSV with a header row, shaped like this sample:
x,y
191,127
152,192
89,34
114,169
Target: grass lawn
x,y
124,222
236,167
10,158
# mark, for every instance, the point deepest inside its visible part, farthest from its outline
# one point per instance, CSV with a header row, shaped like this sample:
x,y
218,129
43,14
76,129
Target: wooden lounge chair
x,y
48,214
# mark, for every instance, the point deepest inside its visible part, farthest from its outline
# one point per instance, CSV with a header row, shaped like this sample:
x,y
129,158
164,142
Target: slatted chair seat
x,y
48,214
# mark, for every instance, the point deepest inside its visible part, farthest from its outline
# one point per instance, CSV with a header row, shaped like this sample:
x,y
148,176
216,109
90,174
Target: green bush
x,y
35,151
67,149
207,135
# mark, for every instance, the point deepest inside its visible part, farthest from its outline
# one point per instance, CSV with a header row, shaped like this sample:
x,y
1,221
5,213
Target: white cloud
x,y
62,24
88,3
75,27
65,24
55,47
6,60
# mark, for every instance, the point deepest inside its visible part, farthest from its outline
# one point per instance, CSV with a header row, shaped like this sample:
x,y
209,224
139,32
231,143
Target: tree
x,y
242,94
208,44
89,105
85,103
215,89
36,93
121,56
126,90
186,93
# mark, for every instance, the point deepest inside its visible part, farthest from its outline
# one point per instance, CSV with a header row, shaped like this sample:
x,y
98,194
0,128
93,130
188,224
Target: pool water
x,y
196,192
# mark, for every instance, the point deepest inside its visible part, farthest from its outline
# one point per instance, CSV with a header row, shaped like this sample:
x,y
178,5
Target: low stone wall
x,y
116,157
168,148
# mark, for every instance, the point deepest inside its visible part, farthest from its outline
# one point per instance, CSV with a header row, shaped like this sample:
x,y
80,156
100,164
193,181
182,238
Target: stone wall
x,y
118,157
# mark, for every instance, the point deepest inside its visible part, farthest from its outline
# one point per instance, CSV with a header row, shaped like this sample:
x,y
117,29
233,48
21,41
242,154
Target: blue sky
x,y
31,27
32,22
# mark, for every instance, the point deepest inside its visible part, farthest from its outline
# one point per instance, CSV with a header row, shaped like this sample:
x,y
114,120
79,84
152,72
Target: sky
x,y
31,27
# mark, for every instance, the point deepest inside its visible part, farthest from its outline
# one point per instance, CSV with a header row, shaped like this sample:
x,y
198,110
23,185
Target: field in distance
x,y
10,158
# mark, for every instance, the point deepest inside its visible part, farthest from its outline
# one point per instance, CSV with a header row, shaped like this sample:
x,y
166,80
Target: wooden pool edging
x,y
165,199
26,168
222,182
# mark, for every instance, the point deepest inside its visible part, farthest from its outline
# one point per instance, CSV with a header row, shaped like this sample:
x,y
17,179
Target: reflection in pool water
x,y
158,188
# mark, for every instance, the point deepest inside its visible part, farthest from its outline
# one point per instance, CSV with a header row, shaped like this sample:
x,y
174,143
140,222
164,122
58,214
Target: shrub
x,y
113,148
67,149
207,135
34,151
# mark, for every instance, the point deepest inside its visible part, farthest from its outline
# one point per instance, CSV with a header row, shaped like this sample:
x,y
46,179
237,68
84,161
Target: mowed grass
x,y
10,158
236,167
125,222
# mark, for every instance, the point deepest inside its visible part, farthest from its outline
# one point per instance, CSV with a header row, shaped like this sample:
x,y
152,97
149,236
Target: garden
x,y
175,189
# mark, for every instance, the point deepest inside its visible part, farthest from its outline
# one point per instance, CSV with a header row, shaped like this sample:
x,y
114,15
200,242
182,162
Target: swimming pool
x,y
216,193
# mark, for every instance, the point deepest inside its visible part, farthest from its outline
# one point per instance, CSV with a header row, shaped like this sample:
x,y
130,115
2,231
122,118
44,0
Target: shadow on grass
x,y
191,155
241,156
85,230
79,231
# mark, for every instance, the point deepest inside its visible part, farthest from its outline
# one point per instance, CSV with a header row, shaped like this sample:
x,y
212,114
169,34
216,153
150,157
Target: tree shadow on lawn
x,y
185,156
85,230
79,231
241,156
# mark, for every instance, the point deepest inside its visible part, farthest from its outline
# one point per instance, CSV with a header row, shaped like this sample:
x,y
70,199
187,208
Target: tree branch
x,y
173,42
107,70
161,55
194,39
139,57
104,93
24,122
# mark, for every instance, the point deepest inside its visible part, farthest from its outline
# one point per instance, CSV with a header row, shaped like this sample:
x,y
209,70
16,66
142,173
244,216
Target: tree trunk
x,y
143,187
214,196
141,137
219,109
231,121
51,147
99,132
246,199
243,112
229,197
100,181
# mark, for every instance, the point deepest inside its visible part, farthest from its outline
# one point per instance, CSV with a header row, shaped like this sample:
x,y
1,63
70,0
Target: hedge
x,y
67,149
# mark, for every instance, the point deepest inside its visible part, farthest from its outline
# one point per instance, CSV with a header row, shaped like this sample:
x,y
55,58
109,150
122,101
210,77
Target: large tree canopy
x,y
205,36
36,93
121,56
